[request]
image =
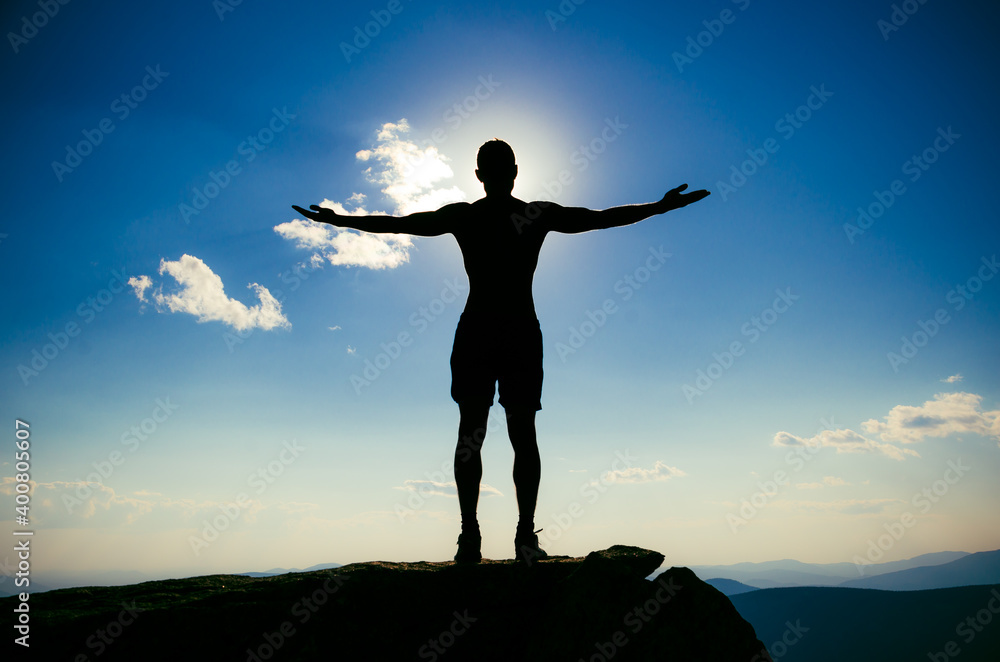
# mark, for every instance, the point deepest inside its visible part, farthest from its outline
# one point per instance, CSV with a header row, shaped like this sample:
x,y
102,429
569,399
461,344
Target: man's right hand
x,y
320,214
674,199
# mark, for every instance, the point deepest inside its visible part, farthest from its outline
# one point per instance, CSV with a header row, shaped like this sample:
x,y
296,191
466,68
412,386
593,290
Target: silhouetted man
x,y
498,339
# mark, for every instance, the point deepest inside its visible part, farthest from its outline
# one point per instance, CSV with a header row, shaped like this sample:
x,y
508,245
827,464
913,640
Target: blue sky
x,y
733,381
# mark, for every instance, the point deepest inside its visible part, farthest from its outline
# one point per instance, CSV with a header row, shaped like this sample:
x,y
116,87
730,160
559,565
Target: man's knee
x,y
521,428
520,416
472,426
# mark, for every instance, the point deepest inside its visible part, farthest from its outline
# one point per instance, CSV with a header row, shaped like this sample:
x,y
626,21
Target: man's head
x,y
497,168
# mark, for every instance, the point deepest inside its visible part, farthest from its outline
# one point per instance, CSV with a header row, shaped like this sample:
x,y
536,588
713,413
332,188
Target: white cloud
x,y
140,285
426,488
953,379
80,504
313,524
202,294
845,506
660,471
946,414
828,481
347,248
844,441
408,175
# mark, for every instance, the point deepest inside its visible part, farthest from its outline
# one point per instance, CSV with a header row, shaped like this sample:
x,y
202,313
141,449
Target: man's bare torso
x,y
500,241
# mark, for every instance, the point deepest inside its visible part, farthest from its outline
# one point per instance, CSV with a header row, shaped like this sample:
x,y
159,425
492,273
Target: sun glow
x,y
537,138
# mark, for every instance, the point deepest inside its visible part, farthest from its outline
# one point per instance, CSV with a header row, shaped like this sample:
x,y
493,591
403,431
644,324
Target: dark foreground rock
x,y
596,608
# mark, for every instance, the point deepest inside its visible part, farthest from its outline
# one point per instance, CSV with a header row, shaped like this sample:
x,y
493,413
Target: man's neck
x,y
495,198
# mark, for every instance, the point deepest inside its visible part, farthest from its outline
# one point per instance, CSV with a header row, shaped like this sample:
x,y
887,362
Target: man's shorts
x,y
494,349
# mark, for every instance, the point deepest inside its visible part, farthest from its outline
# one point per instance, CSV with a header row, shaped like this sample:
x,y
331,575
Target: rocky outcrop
x,y
597,608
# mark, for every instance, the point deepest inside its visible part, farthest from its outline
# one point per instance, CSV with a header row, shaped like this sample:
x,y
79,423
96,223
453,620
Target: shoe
x,y
526,548
469,546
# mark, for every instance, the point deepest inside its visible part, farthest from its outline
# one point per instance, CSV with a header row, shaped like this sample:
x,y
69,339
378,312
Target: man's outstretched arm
x,y
421,224
577,219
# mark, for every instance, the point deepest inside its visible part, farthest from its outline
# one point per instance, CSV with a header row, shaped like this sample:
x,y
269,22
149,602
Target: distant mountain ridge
x,y
983,568
284,571
730,587
974,569
788,573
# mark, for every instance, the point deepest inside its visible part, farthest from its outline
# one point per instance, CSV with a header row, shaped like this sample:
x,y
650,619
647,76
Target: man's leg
x,y
527,475
469,462
520,395
527,464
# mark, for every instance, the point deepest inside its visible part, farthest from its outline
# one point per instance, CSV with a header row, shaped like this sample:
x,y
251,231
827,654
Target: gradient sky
x,y
748,392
